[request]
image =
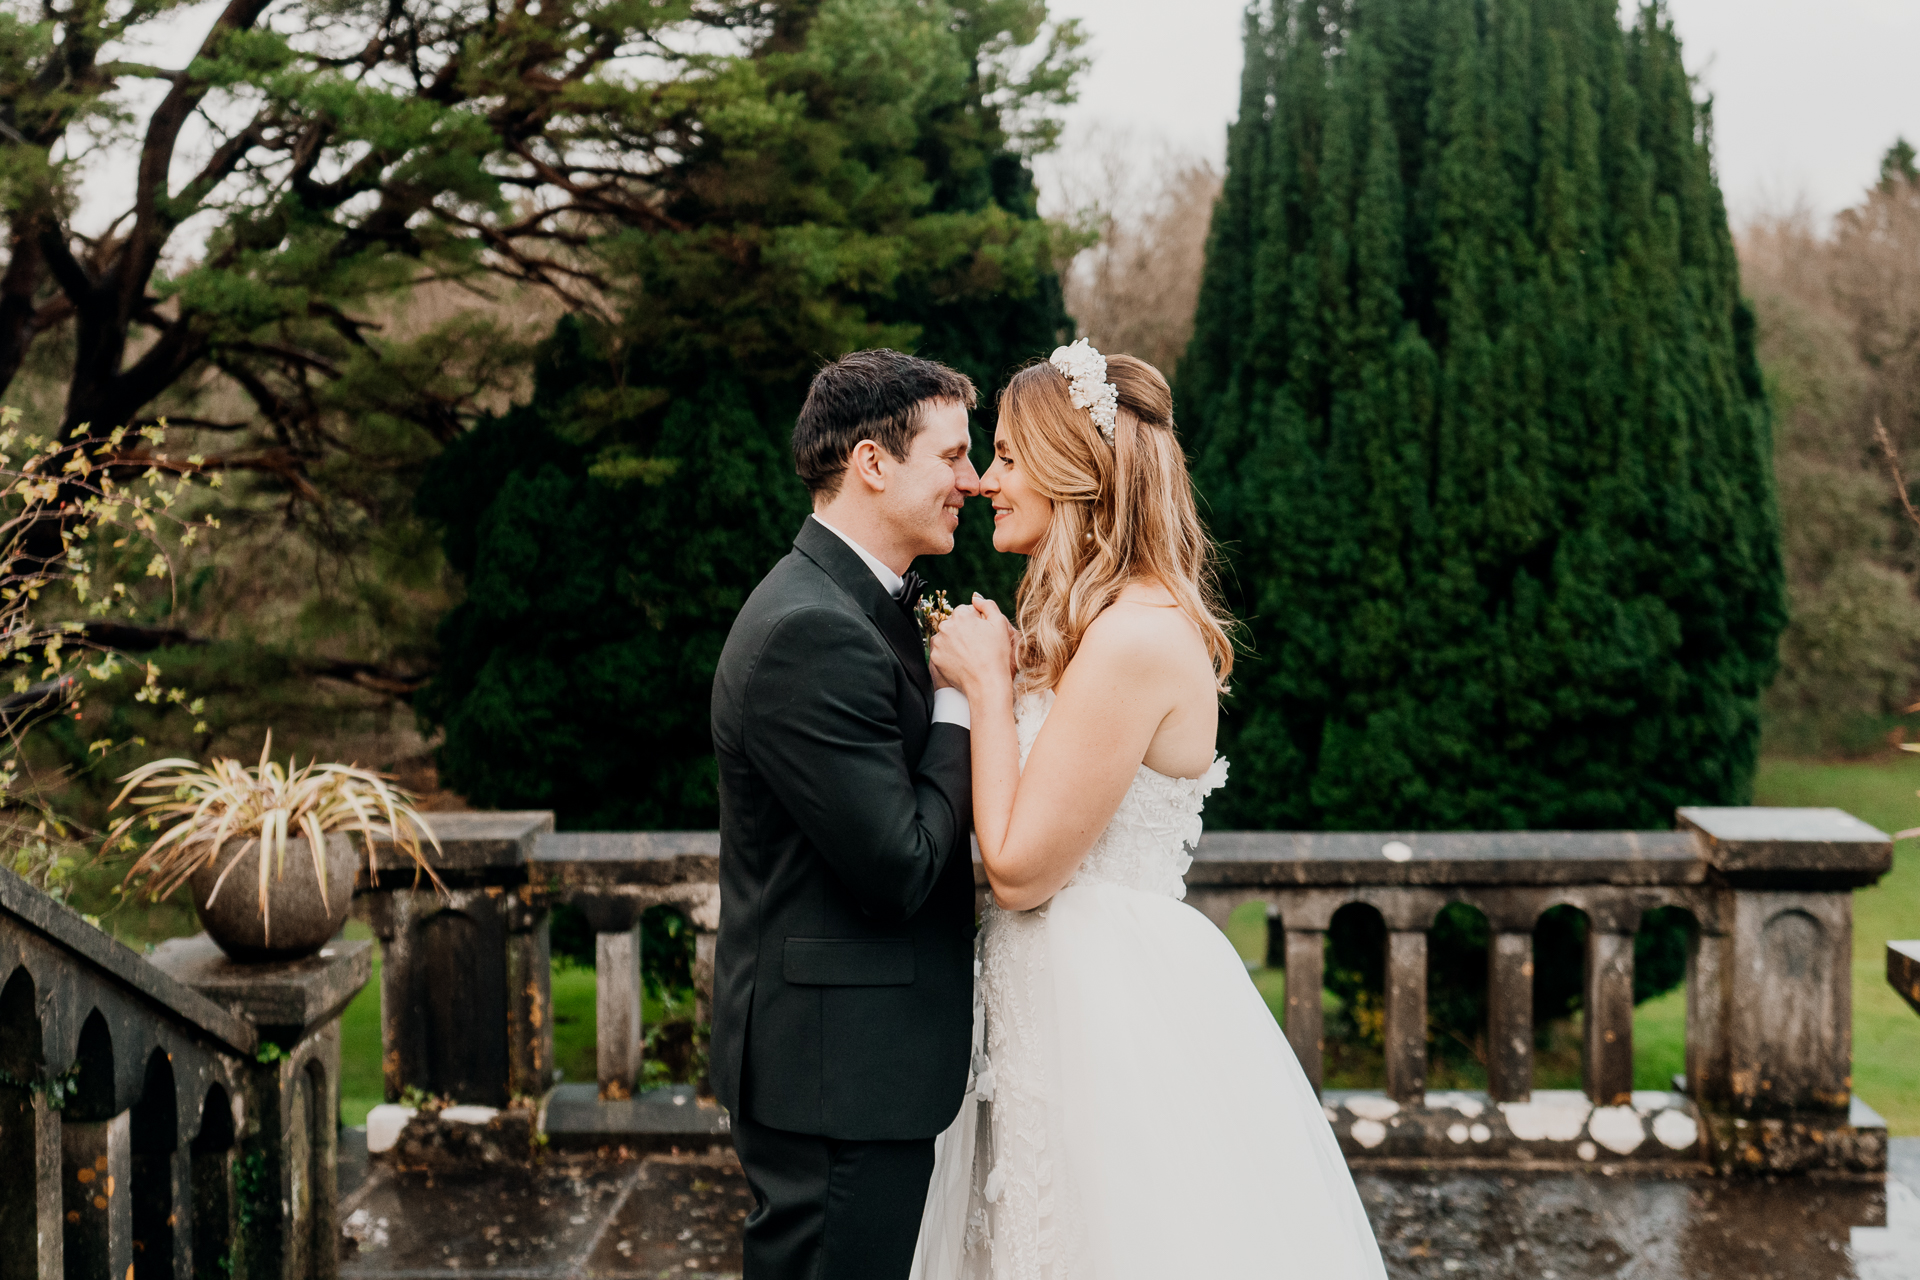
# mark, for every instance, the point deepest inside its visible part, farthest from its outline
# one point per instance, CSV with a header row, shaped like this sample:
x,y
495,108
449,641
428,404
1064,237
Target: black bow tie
x,y
912,587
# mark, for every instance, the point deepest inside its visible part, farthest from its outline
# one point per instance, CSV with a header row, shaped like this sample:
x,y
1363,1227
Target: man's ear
x,y
863,466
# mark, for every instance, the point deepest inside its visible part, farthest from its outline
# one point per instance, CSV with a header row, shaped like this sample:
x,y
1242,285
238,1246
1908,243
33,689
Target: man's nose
x,y
965,478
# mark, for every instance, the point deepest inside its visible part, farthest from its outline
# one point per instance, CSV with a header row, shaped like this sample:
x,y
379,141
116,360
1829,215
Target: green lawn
x,y
1886,1034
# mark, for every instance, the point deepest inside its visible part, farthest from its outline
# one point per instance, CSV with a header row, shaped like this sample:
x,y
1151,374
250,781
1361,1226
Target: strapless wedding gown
x,y
1134,1111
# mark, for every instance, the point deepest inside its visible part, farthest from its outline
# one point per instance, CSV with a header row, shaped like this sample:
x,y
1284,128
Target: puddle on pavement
x,y
583,1219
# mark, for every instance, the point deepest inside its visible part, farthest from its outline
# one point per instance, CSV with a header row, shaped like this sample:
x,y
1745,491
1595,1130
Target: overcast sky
x,y
1807,98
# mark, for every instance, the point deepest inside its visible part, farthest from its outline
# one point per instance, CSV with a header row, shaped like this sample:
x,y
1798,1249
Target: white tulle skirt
x,y
1136,1113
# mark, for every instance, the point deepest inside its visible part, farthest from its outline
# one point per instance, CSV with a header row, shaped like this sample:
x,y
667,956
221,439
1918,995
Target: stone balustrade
x,y
1769,1002
166,1116
1903,970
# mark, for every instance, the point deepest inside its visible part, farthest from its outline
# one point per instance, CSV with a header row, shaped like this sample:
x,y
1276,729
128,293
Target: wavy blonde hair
x,y
1122,513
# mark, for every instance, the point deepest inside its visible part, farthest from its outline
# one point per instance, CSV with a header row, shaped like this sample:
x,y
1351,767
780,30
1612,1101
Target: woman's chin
x,y
1007,544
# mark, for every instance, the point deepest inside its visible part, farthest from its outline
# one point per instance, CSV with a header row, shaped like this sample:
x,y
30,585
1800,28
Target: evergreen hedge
x,y
859,189
1476,412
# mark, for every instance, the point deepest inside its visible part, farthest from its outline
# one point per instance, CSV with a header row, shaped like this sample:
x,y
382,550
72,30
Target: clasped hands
x,y
974,651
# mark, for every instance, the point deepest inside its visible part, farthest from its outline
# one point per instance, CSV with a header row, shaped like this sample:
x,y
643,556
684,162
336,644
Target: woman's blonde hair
x,y
1122,513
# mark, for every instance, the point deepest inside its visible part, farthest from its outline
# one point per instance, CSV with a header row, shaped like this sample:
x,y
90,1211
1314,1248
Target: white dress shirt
x,y
949,704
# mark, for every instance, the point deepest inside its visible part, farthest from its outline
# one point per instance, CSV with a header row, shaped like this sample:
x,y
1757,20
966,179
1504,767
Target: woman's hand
x,y
973,651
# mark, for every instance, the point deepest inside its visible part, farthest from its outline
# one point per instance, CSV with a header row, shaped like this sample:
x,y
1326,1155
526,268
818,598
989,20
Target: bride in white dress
x,y
1135,1110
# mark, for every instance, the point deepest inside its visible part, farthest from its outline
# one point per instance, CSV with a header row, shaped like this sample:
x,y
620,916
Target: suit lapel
x,y
825,549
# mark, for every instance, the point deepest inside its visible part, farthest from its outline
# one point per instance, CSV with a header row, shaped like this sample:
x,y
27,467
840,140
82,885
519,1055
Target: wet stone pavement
x,y
583,1217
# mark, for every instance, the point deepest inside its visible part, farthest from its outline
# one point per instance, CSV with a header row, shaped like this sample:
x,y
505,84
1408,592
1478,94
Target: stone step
x,y
576,1118
1556,1127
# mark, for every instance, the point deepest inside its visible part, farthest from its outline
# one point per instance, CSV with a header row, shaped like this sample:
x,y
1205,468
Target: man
x,y
843,979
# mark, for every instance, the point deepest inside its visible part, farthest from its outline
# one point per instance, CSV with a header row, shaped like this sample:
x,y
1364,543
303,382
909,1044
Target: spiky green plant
x,y
211,805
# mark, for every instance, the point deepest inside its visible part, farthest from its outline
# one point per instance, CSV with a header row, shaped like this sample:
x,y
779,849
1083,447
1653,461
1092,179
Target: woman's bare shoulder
x,y
1140,635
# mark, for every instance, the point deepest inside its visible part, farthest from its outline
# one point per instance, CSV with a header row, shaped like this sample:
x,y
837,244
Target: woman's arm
x,y
1035,828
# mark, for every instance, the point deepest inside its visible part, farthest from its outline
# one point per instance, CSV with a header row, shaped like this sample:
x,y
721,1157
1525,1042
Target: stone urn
x,y
297,923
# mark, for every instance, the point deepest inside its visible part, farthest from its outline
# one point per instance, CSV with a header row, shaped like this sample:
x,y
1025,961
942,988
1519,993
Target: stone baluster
x,y
1608,1017
1510,1017
96,1179
1306,956
706,940
1707,979
1406,1015
529,994
619,1039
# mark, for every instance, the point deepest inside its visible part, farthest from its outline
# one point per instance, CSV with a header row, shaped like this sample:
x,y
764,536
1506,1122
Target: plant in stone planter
x,y
292,823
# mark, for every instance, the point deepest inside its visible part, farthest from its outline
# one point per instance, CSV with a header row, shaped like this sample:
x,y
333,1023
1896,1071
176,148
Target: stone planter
x,y
299,922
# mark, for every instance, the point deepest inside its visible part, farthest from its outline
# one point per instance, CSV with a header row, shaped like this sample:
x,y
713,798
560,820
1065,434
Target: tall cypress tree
x,y
1475,406
854,185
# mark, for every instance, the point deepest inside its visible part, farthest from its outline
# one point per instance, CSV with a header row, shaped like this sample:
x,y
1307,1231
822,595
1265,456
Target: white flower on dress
x,y
1086,374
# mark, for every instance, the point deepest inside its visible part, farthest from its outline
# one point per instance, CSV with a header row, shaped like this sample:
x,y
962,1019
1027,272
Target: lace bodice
x,y
1146,845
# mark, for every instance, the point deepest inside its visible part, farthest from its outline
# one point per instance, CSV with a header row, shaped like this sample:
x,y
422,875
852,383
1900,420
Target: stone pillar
x,y
1306,973
617,998
1510,1017
485,938
96,1178
390,915
1608,1018
1785,968
284,1183
1406,1030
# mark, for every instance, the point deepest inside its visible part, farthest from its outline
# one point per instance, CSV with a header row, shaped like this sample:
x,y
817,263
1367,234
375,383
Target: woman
x,y
1136,1111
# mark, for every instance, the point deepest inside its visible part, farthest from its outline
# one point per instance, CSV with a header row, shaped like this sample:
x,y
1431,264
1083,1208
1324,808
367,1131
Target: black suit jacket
x,y
843,979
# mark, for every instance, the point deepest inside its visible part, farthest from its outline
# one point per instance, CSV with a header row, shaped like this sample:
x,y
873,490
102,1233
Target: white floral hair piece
x,y
1086,372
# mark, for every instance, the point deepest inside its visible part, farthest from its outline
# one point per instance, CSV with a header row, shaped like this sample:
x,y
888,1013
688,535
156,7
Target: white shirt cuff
x,y
950,707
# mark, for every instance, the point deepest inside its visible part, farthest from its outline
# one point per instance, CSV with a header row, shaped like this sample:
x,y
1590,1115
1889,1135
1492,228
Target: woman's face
x,y
1020,512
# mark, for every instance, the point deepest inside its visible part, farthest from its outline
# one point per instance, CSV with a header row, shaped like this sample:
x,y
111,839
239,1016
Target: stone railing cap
x,y
1332,858
1903,970
293,993
483,840
1762,842
94,946
587,858
1756,822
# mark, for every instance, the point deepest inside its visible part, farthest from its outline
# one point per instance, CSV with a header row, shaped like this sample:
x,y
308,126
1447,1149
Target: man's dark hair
x,y
870,395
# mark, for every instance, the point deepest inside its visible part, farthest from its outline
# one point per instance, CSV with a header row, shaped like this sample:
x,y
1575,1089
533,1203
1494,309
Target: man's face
x,y
923,495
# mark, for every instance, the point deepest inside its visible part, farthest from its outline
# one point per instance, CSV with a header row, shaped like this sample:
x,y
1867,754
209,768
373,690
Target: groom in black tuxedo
x,y
843,982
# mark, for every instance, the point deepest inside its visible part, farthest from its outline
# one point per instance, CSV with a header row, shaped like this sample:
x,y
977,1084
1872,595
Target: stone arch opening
x,y
155,1138
211,1154
91,1097
21,1064
1356,978
1559,984
1457,944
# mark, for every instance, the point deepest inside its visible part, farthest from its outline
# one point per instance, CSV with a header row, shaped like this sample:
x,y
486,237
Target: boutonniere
x,y
930,612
